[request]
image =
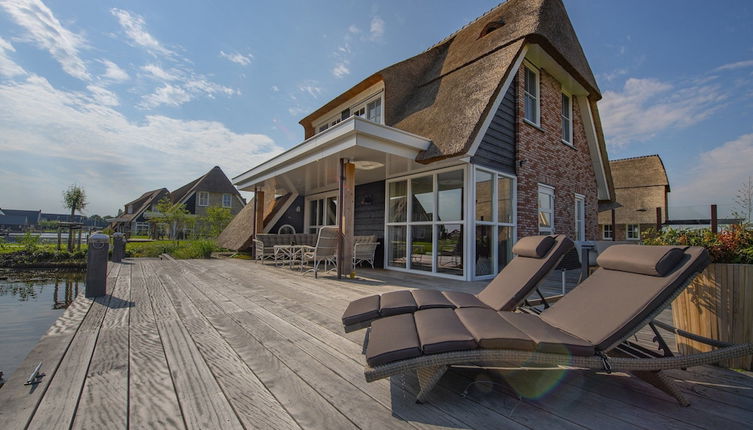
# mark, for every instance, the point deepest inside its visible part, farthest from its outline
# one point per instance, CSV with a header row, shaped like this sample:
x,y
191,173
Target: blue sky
x,y
125,97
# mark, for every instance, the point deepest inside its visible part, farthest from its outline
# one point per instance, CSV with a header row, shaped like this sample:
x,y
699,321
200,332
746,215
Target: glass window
x,y
396,249
227,200
484,243
203,198
313,221
423,198
504,247
531,90
633,232
421,247
580,217
504,199
546,209
606,232
331,211
374,111
450,196
567,119
398,208
450,252
484,193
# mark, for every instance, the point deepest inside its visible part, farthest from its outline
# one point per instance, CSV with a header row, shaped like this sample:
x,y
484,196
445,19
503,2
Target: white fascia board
x,y
593,146
351,132
497,101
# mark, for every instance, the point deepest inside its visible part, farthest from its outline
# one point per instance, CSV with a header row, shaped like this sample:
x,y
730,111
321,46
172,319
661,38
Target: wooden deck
x,y
233,344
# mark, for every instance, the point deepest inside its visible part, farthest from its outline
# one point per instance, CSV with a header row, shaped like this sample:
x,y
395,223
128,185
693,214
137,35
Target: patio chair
x,y
364,249
588,328
325,251
536,257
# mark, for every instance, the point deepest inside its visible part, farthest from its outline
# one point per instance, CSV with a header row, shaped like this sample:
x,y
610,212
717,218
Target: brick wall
x,y
545,159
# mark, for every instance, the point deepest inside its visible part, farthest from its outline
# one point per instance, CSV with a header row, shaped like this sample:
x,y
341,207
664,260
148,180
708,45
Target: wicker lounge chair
x,y
536,257
588,328
325,251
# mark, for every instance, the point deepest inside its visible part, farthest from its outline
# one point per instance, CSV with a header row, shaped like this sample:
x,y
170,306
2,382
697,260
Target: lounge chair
x,y
325,251
536,257
588,328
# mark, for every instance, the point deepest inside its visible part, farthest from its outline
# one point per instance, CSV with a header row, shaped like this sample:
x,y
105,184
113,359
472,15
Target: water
x,y
30,302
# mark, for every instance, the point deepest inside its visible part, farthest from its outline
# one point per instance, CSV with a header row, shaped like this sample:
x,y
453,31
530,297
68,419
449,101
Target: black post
x,y
96,265
714,220
614,226
118,247
658,219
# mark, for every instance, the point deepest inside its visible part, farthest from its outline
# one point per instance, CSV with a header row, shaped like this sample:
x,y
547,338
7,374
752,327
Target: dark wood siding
x,y
497,148
292,217
369,215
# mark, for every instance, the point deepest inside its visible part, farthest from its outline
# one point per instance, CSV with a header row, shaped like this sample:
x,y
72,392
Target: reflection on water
x,y
30,301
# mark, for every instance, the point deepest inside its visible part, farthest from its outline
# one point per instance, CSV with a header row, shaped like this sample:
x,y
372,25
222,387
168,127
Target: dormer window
x,y
370,109
494,25
374,111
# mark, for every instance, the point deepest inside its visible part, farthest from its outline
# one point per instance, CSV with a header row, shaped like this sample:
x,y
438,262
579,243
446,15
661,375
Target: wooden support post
x,y
614,226
59,238
78,244
259,213
346,207
714,220
658,220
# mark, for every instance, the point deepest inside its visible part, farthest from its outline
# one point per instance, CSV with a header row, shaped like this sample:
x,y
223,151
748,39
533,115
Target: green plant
x,y
30,242
215,221
732,245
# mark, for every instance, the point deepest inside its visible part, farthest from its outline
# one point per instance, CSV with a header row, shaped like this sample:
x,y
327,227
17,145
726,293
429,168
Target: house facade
x,y
641,189
490,135
134,219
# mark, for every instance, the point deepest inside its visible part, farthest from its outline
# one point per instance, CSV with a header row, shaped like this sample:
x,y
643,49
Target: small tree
x,y
74,198
744,201
216,220
174,215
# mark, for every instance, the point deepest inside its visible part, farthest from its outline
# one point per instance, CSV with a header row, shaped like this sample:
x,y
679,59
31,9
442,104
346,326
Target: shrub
x,y
30,242
197,249
732,245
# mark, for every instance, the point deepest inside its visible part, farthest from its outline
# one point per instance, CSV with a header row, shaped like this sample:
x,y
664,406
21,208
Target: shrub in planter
x,y
719,302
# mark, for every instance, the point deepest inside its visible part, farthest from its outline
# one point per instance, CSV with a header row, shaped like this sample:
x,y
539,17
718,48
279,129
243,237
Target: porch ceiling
x,y
311,166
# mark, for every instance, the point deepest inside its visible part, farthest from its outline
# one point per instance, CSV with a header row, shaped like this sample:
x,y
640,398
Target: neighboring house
x,y
19,220
86,221
641,186
211,189
133,220
490,135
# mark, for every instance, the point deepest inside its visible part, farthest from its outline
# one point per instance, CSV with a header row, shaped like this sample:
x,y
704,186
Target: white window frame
x,y
580,224
434,223
495,223
229,203
548,190
199,198
536,97
331,121
307,226
567,140
604,232
637,231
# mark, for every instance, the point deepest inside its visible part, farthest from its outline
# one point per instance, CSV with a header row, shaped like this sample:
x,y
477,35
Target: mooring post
x,y
96,265
714,220
118,247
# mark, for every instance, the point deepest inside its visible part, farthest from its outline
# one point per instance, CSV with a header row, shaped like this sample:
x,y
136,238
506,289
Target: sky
x,y
123,97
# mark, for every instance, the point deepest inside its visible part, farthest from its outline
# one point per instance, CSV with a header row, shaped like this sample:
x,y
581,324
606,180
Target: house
x,y
449,156
211,189
641,188
19,220
134,219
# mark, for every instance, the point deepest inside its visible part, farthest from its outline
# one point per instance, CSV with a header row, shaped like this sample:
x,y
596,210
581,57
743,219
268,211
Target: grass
x,y
9,248
183,249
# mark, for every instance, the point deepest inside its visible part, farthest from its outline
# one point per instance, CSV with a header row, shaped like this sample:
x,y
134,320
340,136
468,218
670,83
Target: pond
x,y
30,302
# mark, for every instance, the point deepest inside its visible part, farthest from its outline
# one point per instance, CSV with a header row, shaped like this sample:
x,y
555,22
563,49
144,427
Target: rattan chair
x,y
588,328
324,252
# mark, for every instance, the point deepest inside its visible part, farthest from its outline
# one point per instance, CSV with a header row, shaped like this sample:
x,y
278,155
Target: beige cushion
x,y
533,246
645,260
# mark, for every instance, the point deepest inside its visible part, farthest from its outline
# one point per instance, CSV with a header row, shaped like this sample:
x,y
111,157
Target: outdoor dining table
x,y
290,253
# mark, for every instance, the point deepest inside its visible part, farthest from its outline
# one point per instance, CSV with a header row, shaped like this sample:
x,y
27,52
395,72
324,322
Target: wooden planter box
x,y
719,305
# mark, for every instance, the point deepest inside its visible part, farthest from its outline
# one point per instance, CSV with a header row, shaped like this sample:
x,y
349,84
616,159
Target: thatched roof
x,y
445,92
239,233
214,181
644,171
142,203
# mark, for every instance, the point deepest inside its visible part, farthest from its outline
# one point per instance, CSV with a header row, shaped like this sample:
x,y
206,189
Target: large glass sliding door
x,y
494,221
425,222
322,210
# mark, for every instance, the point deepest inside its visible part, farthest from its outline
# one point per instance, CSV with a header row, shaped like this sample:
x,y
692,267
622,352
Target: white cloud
x,y
103,96
135,28
209,88
310,88
46,32
735,66
41,122
8,67
275,89
717,174
237,58
340,70
166,95
296,110
646,107
113,72
376,28
159,73
354,29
